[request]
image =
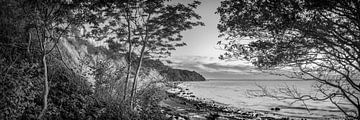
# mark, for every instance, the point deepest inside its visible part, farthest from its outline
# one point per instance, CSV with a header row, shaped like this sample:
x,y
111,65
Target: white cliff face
x,y
79,55
74,55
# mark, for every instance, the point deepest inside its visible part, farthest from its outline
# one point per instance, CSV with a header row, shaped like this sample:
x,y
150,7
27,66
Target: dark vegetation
x,y
38,79
303,39
182,75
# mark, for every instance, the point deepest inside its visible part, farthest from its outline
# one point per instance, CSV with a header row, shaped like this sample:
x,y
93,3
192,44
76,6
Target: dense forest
x,y
88,59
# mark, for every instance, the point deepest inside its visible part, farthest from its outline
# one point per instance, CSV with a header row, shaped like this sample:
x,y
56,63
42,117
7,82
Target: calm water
x,y
234,93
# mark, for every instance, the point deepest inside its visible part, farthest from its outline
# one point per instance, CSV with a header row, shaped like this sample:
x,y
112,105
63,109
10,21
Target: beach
x,y
190,100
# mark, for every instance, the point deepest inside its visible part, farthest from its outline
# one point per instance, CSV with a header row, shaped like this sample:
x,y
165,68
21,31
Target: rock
x,y
275,109
213,116
197,117
267,118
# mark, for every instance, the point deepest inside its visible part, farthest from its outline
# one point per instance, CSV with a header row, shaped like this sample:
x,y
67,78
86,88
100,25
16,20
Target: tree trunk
x,y
358,114
134,85
129,58
29,43
127,76
46,88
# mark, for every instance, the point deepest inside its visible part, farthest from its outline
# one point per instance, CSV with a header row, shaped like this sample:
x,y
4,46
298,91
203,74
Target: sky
x,y
201,53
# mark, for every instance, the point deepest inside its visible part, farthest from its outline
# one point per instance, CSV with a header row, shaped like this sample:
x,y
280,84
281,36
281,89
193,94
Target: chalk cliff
x,y
85,58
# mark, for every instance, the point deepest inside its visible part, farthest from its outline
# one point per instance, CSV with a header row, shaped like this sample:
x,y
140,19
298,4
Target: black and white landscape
x,y
180,59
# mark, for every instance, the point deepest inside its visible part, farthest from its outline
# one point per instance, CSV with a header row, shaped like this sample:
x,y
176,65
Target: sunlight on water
x,y
234,93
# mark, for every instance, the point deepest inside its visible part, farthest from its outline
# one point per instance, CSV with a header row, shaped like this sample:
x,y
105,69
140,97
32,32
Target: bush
x,y
148,101
108,93
68,95
19,86
21,92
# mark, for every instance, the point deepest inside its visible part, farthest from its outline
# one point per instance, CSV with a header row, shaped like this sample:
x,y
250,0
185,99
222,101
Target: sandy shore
x,y
182,104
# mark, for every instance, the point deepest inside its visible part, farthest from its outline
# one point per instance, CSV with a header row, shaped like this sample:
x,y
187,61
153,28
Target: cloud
x,y
228,68
212,67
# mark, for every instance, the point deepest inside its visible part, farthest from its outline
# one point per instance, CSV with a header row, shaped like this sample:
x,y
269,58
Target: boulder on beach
x,y
275,109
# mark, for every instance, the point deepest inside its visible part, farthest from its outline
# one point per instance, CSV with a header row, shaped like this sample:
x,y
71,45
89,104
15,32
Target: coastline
x,y
182,104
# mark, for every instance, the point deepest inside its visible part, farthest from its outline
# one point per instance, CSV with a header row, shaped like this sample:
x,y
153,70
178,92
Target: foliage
x,y
151,26
71,96
31,32
149,102
45,23
109,104
68,94
19,90
310,39
160,22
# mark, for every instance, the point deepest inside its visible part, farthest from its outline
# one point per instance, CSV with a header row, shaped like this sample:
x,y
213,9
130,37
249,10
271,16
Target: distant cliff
x,y
182,75
172,74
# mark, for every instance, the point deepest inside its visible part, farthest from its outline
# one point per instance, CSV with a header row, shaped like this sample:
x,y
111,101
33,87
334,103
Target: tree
x,y
50,24
311,40
153,29
158,27
41,25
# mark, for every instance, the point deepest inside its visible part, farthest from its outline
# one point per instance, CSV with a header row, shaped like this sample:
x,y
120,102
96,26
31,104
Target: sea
x,y
241,94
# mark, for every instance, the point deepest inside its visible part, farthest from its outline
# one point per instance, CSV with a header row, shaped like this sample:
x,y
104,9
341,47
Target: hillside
x,y
172,74
182,75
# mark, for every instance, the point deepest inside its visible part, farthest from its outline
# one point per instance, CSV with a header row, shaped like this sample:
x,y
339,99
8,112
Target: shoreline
x,y
182,104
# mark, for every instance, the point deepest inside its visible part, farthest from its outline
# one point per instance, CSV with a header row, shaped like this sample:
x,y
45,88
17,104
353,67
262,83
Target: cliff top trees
x,y
316,39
